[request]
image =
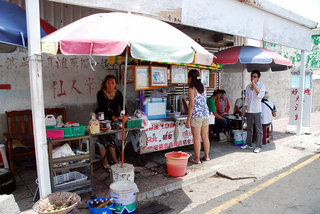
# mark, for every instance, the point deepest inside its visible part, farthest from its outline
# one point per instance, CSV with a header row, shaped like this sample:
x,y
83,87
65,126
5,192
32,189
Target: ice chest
x,y
155,107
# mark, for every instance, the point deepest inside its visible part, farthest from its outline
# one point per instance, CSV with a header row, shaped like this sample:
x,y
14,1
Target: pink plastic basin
x,y
177,163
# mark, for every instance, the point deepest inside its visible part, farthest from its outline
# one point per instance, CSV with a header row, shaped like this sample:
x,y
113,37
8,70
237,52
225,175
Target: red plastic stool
x,y
266,134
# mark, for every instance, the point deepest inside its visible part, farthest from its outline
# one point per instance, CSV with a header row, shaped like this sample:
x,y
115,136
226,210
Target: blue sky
x,y
307,8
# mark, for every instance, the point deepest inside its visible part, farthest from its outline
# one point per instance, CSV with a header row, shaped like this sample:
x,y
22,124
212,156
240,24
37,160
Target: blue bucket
x,y
104,210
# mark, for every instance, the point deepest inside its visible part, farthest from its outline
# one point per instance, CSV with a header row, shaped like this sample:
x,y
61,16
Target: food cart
x,y
167,117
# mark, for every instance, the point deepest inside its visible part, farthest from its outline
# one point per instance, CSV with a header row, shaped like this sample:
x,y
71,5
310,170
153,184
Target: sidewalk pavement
x,y
226,160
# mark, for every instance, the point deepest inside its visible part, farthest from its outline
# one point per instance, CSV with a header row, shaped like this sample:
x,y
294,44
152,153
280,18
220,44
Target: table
x,y
85,186
236,122
116,131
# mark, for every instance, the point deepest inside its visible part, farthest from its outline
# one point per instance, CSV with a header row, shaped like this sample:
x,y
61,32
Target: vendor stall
x,y
147,40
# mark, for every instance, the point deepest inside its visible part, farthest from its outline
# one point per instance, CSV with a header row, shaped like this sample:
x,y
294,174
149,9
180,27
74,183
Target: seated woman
x,y
110,101
222,104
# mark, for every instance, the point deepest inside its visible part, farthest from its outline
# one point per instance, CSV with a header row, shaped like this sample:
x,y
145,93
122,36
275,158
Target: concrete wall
x,y
315,93
68,82
313,62
277,84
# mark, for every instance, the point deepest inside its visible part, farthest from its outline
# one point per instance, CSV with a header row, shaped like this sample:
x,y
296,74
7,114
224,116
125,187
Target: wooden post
x,y
37,101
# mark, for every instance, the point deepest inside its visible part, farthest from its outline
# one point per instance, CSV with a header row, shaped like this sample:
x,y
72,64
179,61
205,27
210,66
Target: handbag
x,y
212,118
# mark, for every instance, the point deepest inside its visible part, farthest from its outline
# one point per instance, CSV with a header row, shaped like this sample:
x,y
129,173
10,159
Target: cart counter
x,y
165,134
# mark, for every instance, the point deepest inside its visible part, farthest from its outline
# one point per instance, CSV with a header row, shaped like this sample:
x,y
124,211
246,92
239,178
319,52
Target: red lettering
x,y
165,137
294,91
74,62
25,62
49,61
307,91
84,63
11,62
297,98
90,83
161,146
166,146
296,117
74,87
171,144
62,92
154,139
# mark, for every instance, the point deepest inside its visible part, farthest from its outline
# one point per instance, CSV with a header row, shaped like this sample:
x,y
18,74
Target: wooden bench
x,y
19,135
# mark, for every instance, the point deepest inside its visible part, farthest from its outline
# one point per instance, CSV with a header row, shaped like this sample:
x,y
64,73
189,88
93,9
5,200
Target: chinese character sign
x,y
165,135
295,106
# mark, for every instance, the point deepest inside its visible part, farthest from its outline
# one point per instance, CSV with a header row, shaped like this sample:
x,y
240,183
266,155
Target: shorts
x,y
199,121
106,140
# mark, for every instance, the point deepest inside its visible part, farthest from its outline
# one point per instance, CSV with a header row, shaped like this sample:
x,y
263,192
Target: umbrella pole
x,y
124,105
244,69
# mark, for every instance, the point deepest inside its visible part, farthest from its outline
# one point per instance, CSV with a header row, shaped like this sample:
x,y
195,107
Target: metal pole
x,y
244,69
301,90
37,101
124,103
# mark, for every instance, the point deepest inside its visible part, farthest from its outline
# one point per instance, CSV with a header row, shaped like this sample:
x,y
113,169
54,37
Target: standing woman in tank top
x,y
198,116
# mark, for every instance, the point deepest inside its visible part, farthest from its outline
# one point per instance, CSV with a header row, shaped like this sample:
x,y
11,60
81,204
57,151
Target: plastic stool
x,y
86,142
4,156
266,134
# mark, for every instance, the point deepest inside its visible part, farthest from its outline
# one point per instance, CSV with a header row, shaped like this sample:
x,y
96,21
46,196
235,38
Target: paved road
x,y
282,192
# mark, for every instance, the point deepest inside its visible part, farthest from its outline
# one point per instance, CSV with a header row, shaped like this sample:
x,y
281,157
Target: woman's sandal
x,y
191,160
106,166
205,159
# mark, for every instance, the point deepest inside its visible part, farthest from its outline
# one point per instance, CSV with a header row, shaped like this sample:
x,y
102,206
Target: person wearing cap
x,y
268,111
252,110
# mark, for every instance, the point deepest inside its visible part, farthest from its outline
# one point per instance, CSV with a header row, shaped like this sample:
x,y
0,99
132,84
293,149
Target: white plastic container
x,y
50,120
124,195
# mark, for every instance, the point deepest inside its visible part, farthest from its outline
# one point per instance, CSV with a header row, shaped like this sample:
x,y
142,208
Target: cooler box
x,y
155,107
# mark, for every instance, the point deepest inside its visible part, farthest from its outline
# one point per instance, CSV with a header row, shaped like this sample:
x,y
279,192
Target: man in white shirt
x,y
252,110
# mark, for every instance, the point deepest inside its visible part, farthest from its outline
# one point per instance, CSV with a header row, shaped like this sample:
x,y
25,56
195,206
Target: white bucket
x,y
124,196
239,137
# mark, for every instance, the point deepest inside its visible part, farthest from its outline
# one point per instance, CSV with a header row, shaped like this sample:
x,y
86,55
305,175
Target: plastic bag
x,y
62,151
94,126
212,118
141,115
